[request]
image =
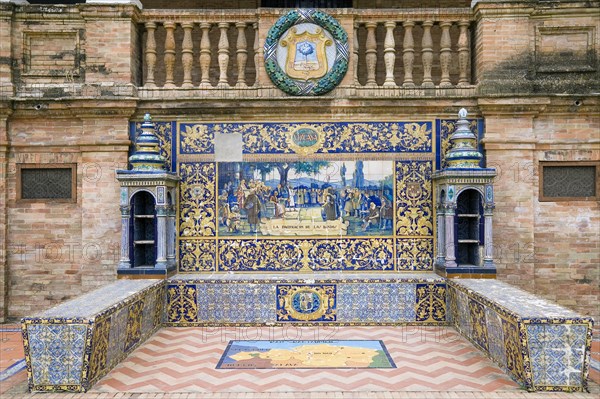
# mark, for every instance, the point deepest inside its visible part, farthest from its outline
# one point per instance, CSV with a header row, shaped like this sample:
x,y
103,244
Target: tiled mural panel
x,y
254,302
313,202
541,353
72,353
415,145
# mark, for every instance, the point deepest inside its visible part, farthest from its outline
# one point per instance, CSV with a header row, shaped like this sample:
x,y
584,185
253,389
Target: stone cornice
x,y
39,108
46,12
518,107
112,12
533,9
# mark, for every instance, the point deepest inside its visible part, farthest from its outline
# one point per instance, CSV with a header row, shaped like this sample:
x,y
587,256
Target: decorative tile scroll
x,y
478,324
197,202
312,255
414,204
197,256
196,138
134,325
430,302
100,342
329,138
182,303
414,254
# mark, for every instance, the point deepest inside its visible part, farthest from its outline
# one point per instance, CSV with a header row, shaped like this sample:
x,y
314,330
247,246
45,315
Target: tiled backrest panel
x,y
196,302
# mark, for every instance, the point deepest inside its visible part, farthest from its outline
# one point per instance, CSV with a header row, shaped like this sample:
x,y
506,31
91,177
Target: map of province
x,y
305,355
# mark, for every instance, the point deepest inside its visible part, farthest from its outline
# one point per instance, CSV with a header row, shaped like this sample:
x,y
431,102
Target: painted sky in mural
x,y
316,198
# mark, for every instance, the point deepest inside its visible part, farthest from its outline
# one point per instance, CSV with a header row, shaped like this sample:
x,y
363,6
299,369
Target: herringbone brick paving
x,y
420,353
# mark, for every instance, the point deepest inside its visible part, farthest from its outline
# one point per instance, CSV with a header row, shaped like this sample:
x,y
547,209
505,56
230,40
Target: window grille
x,y
53,182
568,181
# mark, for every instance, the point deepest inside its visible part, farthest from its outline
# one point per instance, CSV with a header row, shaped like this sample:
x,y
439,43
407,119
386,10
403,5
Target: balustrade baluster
x,y
187,54
371,53
463,53
169,54
257,53
205,55
408,56
445,53
389,55
355,54
242,54
223,56
150,54
427,54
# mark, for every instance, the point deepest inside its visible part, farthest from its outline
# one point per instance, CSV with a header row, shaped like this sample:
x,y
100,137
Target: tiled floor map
x,y
349,354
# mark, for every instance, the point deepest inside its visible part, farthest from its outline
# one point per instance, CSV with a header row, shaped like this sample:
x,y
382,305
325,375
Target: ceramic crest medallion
x,y
306,53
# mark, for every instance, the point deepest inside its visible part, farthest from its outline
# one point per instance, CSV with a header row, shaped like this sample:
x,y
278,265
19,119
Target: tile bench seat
x,y
543,346
73,345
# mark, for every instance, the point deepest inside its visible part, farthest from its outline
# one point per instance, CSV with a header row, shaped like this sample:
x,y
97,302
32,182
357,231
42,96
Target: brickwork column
x,y
3,225
510,148
6,13
101,221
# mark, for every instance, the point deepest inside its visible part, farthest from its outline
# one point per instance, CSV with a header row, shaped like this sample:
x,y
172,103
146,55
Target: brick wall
x,y
548,248
58,250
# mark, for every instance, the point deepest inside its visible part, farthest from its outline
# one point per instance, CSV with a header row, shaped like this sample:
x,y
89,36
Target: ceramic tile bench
x,y
543,346
73,345
323,298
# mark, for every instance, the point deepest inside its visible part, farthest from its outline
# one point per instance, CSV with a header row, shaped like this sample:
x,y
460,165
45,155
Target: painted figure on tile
x,y
291,197
372,218
252,206
330,208
278,205
233,219
387,214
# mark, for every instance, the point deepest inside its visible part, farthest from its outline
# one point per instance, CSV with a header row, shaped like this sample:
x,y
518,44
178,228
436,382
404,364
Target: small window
x,y
55,182
568,181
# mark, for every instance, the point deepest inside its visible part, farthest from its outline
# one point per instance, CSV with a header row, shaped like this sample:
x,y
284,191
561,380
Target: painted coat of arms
x,y
306,52
306,57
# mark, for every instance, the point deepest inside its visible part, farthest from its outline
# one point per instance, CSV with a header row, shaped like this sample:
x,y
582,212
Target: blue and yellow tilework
x,y
541,353
72,353
368,301
406,242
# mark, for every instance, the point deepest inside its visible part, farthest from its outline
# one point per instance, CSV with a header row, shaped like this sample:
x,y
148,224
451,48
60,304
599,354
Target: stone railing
x,y
408,50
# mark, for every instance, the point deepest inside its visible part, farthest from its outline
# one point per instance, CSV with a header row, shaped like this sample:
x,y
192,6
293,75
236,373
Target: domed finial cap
x,y
462,113
147,118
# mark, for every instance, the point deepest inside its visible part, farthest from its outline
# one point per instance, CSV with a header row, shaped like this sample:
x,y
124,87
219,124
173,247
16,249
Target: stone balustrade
x,y
412,49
